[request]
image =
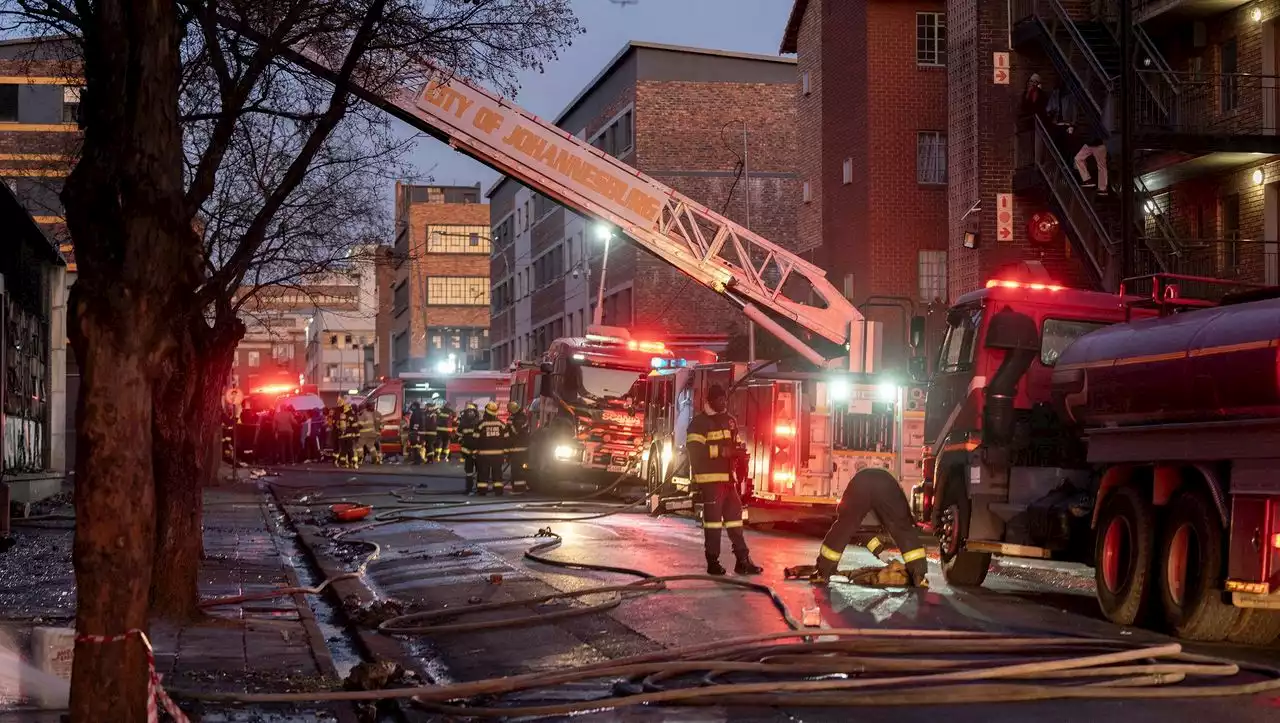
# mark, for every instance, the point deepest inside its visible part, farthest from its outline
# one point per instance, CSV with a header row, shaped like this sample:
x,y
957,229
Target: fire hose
x,y
799,668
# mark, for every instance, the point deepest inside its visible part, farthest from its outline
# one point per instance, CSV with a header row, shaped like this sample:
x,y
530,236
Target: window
x,y
255,358
331,372
457,291
71,104
385,404
1229,261
931,157
848,171
1058,334
957,350
933,276
457,240
804,82
931,39
1228,65
8,103
806,194
618,137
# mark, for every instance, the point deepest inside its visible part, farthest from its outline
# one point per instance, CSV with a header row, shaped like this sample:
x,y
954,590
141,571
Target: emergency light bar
x,y
650,346
659,363
1008,284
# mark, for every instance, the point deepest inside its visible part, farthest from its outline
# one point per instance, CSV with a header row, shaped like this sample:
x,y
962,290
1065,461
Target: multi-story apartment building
x,y
872,96
277,320
440,296
1206,181
717,126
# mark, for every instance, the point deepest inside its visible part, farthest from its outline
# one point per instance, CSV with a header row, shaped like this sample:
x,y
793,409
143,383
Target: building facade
x,y
277,323
872,96
716,126
440,295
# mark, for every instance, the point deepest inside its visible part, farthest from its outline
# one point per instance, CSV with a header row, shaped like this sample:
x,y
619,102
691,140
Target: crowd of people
x,y
353,434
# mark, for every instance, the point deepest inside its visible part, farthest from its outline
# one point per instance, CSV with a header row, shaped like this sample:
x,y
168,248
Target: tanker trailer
x,y
1181,418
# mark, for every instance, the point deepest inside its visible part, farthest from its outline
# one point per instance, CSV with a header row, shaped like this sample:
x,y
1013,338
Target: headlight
x,y
563,451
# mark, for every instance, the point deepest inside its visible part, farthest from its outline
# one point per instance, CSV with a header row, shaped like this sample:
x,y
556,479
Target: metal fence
x,y
1209,103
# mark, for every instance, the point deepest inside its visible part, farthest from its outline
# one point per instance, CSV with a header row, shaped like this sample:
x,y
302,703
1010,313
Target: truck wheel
x,y
960,567
1123,554
1255,627
653,472
1191,571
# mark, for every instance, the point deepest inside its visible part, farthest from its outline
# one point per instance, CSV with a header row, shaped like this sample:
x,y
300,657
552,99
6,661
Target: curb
x,y
388,470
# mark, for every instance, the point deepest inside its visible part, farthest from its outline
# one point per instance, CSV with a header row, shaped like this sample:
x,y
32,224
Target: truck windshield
x,y
957,349
605,382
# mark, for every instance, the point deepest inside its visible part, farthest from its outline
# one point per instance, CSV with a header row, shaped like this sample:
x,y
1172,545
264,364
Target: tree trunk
x,y
187,442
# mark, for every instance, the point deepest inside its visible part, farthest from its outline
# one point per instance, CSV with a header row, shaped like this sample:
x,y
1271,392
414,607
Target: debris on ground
x,y
372,614
464,552
378,675
495,579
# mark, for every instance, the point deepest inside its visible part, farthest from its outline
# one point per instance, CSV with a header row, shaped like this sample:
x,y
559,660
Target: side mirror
x,y
545,367
918,368
917,332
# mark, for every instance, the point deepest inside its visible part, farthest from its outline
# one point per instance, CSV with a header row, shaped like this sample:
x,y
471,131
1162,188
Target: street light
x,y
604,232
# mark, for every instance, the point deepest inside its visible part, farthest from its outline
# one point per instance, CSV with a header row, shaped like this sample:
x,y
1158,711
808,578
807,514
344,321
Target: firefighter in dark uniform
x,y
873,490
490,447
427,447
711,443
444,432
348,431
468,424
415,433
517,434
228,430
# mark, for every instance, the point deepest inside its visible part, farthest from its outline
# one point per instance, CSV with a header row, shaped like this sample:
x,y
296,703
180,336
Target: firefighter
x,y
370,434
444,431
228,430
517,434
468,424
415,433
427,447
711,443
873,490
489,449
348,431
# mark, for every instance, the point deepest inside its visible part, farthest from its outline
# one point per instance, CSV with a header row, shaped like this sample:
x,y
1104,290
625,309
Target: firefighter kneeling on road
x,y
468,424
711,443
490,447
873,490
518,447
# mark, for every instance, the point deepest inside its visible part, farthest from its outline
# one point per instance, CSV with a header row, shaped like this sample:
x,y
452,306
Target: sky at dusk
x,y
753,26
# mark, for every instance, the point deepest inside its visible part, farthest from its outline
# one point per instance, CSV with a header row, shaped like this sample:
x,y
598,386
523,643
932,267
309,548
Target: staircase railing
x,y
1089,229
1164,244
1073,57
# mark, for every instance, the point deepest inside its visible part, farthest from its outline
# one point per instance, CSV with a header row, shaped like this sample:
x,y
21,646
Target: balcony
x,y
1227,112
1144,10
1248,261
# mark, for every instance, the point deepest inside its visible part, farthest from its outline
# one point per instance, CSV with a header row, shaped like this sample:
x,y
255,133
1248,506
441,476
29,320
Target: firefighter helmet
x,y
513,407
471,405
491,408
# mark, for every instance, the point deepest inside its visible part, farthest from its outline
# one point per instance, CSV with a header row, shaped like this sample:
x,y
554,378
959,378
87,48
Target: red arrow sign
x,y
1006,234
1001,76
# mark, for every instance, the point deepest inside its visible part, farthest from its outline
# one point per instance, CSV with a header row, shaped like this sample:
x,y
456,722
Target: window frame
x,y
449,289
935,56
931,142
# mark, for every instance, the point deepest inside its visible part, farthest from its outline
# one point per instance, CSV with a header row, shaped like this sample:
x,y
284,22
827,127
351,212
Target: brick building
x,y
440,296
278,320
872,95
678,115
1204,129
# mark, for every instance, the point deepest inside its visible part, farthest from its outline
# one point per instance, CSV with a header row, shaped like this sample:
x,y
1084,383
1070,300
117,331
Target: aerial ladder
x,y
766,281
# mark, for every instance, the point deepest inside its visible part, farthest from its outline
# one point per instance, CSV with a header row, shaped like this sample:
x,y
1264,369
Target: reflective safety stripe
x,y
517,449
913,555
490,452
713,452
874,545
830,554
711,477
712,525
719,434
482,484
695,438
733,523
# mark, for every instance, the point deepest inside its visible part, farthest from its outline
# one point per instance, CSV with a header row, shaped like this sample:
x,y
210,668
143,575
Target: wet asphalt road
x,y
439,564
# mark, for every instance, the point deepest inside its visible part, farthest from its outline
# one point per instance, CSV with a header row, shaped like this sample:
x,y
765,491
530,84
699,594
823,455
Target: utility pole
x,y
1128,248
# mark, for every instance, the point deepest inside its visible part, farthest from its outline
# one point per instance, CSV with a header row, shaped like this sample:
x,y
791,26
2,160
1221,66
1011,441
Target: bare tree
x,y
176,96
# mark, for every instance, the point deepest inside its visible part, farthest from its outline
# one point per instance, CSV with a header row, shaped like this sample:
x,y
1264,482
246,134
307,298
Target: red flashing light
x,y
785,430
1010,284
649,346
275,389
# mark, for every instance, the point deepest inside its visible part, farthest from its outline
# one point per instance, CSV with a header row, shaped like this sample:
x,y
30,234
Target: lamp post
x,y
603,233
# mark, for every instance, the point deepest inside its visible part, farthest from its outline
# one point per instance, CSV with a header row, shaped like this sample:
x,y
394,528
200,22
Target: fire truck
x,y
1137,434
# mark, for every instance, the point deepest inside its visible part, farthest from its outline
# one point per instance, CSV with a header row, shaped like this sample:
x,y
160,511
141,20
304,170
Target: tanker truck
x,y
1139,435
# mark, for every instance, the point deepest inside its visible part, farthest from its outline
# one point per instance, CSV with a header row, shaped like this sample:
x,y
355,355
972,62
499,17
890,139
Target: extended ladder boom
x,y
709,248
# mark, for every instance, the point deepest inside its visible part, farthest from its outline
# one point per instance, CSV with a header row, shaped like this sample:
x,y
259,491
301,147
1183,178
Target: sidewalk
x,y
272,645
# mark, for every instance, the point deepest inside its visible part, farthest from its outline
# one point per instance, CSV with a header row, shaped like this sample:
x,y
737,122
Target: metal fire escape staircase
x,y
1087,59
767,282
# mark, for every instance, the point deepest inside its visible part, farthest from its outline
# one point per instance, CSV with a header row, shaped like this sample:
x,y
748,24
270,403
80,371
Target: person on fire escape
x,y
711,443
490,446
873,490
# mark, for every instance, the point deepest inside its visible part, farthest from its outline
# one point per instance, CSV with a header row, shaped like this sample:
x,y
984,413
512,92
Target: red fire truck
x,y
1139,435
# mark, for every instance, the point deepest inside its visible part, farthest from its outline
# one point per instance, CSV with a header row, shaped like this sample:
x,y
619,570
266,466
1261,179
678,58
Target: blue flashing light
x,y
658,362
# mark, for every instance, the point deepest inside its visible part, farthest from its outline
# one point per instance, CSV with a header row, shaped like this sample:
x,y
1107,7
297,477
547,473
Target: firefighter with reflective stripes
x,y
468,422
413,452
517,433
348,431
490,446
711,443
430,426
444,431
873,490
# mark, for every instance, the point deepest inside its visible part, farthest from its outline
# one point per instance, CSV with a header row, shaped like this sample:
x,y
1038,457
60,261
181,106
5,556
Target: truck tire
x,y
960,567
1191,570
1124,550
1255,627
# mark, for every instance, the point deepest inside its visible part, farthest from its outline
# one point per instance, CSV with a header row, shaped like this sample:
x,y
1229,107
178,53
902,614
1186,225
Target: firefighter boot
x,y
745,566
738,541
711,542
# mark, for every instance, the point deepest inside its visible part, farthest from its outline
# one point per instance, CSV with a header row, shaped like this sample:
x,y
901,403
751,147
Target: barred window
x,y
457,291
931,39
931,157
933,276
457,239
